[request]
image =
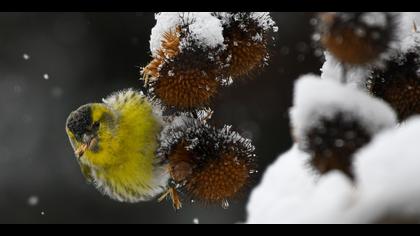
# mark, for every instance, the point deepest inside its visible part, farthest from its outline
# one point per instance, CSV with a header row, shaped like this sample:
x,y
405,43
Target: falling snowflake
x,y
26,56
33,201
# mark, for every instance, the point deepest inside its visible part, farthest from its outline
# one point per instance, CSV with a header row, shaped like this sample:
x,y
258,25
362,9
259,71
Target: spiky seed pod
x,y
335,123
333,143
357,38
185,82
183,73
210,165
398,83
247,37
169,49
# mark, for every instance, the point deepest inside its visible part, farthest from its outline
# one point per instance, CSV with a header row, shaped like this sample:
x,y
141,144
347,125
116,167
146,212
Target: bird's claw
x,y
176,201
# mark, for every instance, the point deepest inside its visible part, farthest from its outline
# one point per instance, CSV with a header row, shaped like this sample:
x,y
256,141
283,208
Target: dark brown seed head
x,y
220,179
186,82
398,83
333,143
169,49
357,38
247,42
211,165
183,79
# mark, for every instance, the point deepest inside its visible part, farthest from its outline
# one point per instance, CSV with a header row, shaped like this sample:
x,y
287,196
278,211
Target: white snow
x,y
411,43
165,22
375,19
171,129
387,172
26,56
206,30
315,98
386,185
332,70
289,193
406,23
284,184
33,201
264,20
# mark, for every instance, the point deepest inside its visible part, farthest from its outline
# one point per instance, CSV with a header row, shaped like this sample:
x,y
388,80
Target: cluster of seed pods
x,y
194,55
369,41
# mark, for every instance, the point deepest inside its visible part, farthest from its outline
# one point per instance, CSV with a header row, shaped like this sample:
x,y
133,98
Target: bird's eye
x,y
95,125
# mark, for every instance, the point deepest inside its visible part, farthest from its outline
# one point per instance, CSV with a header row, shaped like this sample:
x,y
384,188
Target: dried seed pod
x,y
209,165
334,141
357,38
335,123
247,37
398,82
183,74
169,49
186,82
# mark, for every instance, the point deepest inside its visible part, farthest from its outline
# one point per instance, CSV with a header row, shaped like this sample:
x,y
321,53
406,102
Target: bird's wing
x,y
87,172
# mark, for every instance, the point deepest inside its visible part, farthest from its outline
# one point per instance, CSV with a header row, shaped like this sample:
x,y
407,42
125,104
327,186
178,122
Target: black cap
x,y
79,121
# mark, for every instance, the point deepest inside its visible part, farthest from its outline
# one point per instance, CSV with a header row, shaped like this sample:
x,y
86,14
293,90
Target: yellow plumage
x,y
122,161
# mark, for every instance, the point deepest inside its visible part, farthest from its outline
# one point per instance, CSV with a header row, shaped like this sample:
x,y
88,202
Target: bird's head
x,y
88,126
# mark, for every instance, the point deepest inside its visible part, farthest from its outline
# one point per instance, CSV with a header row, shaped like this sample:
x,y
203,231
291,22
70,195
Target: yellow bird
x,y
115,143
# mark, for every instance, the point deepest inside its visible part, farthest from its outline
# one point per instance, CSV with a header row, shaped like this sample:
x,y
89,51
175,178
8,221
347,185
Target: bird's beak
x,y
89,143
81,150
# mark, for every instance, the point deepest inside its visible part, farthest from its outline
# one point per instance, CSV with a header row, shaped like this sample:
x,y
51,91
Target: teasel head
x,y
248,37
333,142
357,38
209,165
398,82
184,71
334,124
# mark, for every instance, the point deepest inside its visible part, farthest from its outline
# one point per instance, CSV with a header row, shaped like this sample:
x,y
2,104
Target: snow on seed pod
x,y
398,82
208,165
358,38
333,124
248,36
185,48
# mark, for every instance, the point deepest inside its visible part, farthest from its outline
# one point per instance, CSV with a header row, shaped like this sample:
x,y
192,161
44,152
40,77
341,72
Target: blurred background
x,y
51,63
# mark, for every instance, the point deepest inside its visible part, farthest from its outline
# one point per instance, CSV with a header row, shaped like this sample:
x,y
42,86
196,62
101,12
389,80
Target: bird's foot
x,y
173,194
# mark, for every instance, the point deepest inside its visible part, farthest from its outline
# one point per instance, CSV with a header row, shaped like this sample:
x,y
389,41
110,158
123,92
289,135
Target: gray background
x,y
87,56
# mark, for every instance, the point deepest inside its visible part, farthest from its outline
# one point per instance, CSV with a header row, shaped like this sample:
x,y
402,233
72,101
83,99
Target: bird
x,y
115,143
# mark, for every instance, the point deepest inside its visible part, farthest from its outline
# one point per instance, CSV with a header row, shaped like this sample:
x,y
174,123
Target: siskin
x,y
115,143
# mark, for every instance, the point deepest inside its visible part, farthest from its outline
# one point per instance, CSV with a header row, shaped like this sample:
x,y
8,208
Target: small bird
x,y
115,144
